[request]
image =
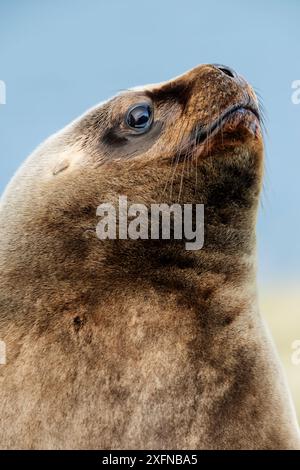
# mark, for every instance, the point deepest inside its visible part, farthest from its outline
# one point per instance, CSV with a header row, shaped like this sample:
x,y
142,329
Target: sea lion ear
x,y
61,166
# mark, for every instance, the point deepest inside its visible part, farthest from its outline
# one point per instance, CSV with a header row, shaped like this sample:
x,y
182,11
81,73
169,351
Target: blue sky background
x,y
58,58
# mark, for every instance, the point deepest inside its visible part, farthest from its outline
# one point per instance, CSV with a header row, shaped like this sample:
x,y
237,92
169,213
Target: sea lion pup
x,y
141,344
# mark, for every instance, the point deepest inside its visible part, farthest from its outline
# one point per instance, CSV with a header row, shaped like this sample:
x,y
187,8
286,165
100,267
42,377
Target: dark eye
x,y
140,117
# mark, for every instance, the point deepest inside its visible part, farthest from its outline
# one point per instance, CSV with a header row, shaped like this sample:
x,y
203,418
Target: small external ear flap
x,y
61,166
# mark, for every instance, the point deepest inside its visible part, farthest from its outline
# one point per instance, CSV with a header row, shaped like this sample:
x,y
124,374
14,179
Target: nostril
x,y
226,70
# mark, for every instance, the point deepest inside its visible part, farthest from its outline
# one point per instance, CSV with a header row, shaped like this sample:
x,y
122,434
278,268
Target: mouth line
x,y
203,132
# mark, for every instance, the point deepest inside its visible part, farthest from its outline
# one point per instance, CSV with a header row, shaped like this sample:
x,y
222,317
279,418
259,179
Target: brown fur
x,y
139,344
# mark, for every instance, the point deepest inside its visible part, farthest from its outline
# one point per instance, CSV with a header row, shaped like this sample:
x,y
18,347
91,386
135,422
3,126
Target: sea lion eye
x,y
140,117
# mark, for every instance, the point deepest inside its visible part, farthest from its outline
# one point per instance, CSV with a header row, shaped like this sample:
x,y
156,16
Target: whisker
x,y
177,158
181,178
171,167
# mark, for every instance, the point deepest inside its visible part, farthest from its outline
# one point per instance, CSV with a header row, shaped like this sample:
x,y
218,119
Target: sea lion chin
x,y
132,343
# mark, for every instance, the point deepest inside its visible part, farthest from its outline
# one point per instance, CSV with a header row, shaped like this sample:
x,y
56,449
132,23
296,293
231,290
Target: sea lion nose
x,y
226,70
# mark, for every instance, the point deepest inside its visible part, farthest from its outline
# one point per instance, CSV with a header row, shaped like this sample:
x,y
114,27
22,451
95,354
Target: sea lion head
x,y
194,139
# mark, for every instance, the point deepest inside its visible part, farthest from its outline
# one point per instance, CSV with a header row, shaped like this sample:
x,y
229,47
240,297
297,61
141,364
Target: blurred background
x,y
59,58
